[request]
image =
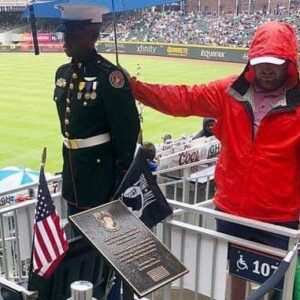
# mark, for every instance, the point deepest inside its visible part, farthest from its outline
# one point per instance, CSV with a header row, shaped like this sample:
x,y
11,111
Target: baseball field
x,y
28,114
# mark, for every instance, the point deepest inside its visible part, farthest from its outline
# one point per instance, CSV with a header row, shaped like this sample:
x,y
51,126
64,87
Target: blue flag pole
x,y
33,29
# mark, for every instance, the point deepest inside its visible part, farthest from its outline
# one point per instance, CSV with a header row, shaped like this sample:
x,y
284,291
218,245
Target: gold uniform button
x,y
85,103
68,100
55,98
67,134
67,122
71,86
74,76
68,109
98,160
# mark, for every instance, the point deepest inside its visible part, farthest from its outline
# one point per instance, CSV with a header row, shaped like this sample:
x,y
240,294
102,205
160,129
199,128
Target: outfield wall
x,y
238,55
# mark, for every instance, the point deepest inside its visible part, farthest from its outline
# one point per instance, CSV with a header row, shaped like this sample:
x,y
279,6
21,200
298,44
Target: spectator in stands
x,y
207,126
191,27
167,138
258,125
150,152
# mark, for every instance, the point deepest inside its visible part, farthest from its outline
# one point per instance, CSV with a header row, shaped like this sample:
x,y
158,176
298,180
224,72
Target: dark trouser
x,y
115,291
257,235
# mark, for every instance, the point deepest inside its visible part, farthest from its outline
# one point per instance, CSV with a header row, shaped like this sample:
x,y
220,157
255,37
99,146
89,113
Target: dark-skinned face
x,y
79,41
269,76
209,127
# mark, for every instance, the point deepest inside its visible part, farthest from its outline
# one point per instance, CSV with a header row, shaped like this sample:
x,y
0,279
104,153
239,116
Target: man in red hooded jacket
x,y
258,171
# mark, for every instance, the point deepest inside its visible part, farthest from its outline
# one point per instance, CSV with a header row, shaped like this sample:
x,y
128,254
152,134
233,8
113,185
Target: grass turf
x,y
28,114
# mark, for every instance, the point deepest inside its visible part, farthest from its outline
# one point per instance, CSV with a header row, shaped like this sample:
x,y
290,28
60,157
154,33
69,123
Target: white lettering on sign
x,y
210,54
146,49
263,269
188,157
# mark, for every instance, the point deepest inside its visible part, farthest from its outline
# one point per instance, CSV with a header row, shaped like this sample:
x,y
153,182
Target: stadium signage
x,y
212,53
109,47
146,49
182,155
214,150
10,48
177,51
209,54
188,157
252,265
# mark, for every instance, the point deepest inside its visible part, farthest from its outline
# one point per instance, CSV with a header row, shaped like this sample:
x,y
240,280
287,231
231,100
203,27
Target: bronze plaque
x,y
131,248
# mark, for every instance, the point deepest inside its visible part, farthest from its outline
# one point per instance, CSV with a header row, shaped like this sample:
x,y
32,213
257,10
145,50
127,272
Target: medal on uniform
x,y
88,86
61,82
81,86
93,93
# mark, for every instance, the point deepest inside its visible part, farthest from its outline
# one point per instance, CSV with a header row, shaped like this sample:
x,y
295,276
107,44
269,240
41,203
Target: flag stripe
x,y
57,233
40,253
46,235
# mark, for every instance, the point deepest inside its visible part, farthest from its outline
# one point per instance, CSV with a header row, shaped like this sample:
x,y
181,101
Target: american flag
x,y
50,243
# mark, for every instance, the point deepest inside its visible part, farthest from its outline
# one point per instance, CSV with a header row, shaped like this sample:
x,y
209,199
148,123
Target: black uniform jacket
x,y
93,97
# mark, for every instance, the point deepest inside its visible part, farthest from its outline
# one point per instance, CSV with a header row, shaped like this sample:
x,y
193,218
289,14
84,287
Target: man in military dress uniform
x,y
98,117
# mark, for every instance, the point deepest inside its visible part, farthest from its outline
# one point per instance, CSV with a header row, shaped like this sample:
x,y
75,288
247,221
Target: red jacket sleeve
x,y
183,100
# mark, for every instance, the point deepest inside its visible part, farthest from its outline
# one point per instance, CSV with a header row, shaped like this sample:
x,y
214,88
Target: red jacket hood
x,y
274,39
279,40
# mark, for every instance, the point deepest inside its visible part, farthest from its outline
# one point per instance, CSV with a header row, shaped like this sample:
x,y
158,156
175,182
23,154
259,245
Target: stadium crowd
x,y
11,20
193,28
180,27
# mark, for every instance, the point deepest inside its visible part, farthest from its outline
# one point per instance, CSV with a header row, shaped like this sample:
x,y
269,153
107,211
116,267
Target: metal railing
x,y
205,251
190,234
16,225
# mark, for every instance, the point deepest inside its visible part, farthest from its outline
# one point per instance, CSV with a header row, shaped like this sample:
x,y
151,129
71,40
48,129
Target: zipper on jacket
x,y
249,109
274,110
277,110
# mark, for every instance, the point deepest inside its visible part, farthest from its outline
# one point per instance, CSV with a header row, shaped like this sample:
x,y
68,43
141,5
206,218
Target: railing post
x,y
288,285
4,247
167,242
186,186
